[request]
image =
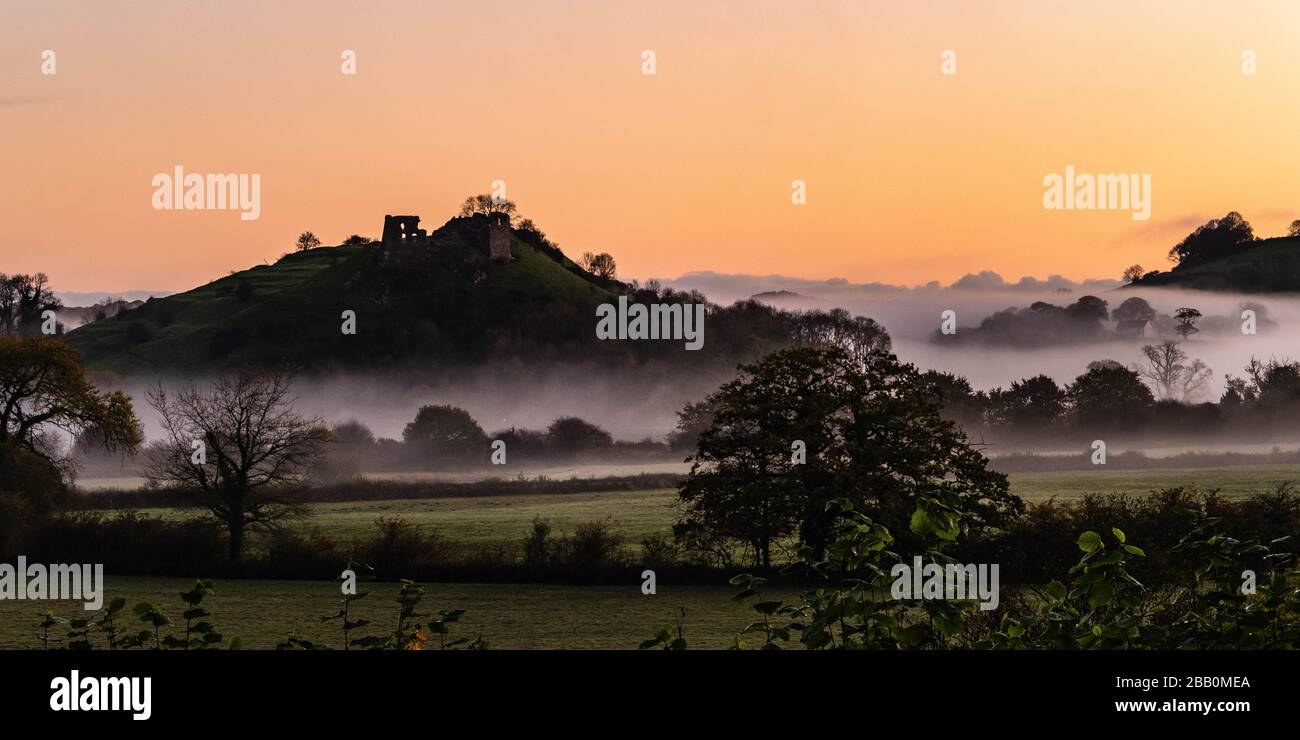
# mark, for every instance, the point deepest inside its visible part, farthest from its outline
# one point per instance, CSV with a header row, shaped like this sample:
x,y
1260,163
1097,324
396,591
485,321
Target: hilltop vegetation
x,y
1224,254
451,306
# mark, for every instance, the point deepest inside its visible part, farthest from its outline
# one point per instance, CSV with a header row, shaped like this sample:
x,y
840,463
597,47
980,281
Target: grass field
x,y
1244,480
541,616
638,514
262,613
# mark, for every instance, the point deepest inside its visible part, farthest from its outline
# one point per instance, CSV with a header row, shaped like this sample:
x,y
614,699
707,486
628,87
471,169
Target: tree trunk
x,y
236,540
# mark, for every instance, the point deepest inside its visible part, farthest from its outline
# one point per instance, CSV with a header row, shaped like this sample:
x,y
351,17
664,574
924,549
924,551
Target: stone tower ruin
x,y
404,231
499,237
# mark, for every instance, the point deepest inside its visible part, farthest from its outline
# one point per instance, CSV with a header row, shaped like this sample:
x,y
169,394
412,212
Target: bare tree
x,y
1164,367
238,448
1195,381
1133,273
1173,377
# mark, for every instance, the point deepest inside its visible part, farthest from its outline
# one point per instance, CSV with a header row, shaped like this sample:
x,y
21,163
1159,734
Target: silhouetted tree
x,y
1033,404
1108,396
1175,378
23,298
1133,273
858,335
446,434
1186,322
1294,229
487,204
1133,309
958,401
306,240
43,389
872,434
1216,238
1088,308
570,435
601,265
239,448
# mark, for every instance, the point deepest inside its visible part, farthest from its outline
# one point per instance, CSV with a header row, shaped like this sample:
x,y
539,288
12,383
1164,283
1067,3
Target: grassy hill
x,y
1264,266
452,303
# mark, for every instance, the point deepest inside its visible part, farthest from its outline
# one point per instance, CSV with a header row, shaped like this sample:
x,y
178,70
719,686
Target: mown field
x,y
508,616
639,514
521,616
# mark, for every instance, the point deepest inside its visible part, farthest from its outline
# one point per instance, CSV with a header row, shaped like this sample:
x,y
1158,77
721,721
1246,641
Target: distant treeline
x,y
1112,400
1090,319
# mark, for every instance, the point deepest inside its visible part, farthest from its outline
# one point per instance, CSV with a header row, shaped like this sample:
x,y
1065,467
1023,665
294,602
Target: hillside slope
x,y
451,305
1264,266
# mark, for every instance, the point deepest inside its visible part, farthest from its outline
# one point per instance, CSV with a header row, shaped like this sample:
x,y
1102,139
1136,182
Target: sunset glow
x,y
912,175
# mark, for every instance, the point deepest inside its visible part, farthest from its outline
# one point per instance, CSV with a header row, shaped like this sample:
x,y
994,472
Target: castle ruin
x,y
404,231
499,237
403,239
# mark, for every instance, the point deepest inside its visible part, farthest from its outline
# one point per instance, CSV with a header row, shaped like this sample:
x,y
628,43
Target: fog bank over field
x,y
911,315
498,398
633,408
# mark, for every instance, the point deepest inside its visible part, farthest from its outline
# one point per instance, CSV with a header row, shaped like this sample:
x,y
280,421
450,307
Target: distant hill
x,y
784,298
1263,266
450,302
447,306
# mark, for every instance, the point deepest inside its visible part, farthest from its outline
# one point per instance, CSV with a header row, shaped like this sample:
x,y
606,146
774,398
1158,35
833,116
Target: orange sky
x,y
912,175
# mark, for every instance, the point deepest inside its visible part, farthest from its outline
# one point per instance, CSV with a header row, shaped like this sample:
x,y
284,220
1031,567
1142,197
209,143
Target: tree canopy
x,y
1212,240
43,387
869,431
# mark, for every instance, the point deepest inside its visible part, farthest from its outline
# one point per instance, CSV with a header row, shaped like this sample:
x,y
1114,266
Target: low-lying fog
x,y
504,397
911,315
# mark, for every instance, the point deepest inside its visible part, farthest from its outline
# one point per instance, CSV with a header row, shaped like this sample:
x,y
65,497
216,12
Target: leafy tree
x,y
1294,228
959,401
1275,384
1133,273
1186,322
1108,396
1133,309
357,240
306,240
1032,404
692,421
1088,308
256,450
601,265
872,433
1216,238
22,300
43,388
445,434
570,435
858,335
486,204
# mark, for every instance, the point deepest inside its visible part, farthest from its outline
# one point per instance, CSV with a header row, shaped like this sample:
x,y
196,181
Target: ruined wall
x,y
499,237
